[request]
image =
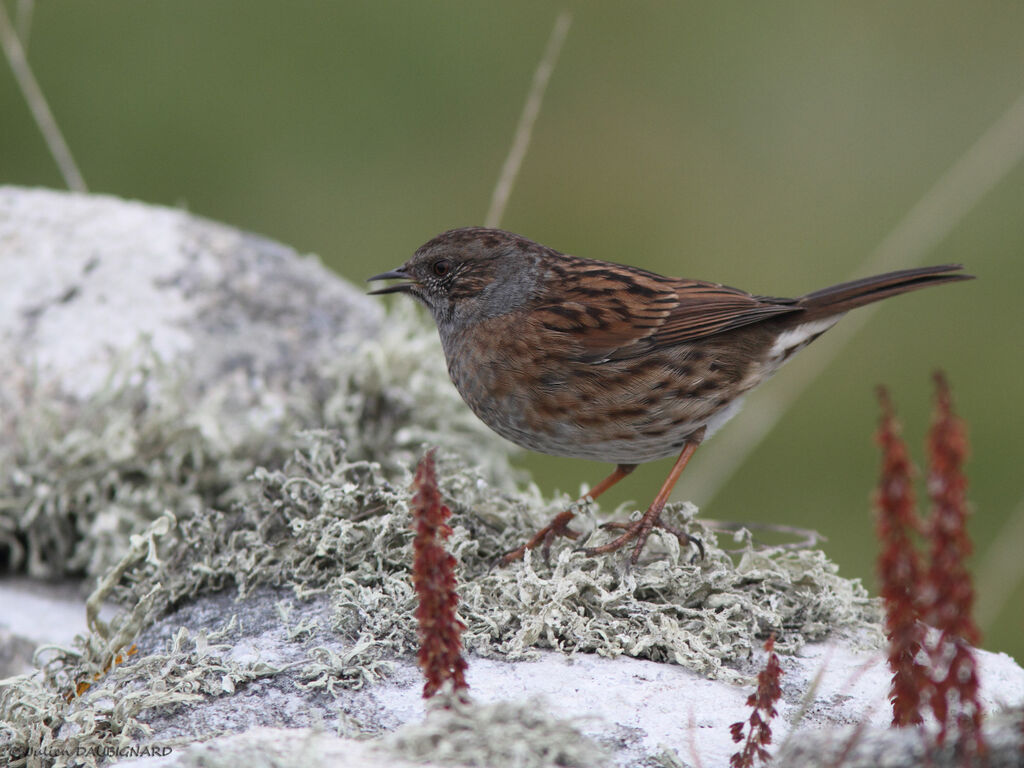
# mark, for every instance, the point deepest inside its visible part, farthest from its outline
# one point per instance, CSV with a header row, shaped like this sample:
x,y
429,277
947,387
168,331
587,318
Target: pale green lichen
x,y
332,520
511,735
80,477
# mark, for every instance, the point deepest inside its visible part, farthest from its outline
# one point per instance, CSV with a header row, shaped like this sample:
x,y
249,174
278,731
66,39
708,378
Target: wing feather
x,y
612,312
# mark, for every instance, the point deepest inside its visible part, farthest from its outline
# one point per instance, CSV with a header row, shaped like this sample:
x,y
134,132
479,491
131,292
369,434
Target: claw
x,y
559,526
640,530
651,519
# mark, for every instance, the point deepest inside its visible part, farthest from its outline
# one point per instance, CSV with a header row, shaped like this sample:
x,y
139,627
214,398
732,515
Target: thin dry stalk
x,y
808,698
943,206
524,130
1000,569
691,740
37,104
23,21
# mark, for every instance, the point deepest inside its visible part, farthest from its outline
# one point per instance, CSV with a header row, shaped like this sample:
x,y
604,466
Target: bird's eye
x,y
441,267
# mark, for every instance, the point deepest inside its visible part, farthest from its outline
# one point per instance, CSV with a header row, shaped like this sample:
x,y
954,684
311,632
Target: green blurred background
x,y
771,146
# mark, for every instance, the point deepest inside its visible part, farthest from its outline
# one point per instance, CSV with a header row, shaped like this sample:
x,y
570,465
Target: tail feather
x,y
856,293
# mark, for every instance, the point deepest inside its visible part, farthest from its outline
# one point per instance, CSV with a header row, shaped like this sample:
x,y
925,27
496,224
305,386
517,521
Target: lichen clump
x,y
80,477
523,735
324,514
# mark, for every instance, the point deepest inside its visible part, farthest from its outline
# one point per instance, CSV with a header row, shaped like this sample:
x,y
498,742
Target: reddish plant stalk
x,y
899,569
950,594
433,576
759,735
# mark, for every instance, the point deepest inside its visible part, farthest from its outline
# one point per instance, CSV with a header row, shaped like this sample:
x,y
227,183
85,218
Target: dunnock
x,y
595,360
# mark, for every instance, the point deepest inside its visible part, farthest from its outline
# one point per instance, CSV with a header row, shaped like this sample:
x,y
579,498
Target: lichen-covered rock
x,y
295,606
524,734
153,359
237,478
84,277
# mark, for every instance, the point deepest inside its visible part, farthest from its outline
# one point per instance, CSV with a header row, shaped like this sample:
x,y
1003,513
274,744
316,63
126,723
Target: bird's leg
x,y
559,525
651,519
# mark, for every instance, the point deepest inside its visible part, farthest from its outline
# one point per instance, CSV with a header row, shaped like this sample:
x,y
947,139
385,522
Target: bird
x,y
590,359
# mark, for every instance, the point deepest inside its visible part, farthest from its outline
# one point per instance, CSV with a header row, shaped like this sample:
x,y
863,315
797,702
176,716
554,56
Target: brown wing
x,y
611,312
704,309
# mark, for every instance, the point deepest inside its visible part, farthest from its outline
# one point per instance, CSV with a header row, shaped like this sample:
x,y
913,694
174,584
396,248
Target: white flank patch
x,y
717,421
800,335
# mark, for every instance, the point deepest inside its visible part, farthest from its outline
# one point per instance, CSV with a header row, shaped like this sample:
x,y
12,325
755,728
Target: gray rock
x,y
84,277
640,711
274,748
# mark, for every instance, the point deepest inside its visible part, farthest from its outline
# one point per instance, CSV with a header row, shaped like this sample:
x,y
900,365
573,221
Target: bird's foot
x,y
639,531
559,526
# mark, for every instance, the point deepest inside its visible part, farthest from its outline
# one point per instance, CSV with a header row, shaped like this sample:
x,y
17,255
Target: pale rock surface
x,y
84,278
638,709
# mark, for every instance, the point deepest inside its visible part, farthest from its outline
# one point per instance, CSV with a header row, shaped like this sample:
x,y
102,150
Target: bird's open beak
x,y
395,274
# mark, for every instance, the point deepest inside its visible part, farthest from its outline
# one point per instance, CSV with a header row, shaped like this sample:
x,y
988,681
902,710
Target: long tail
x,y
856,293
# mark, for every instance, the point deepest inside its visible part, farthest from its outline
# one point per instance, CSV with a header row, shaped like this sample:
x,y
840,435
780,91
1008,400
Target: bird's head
x,y
467,275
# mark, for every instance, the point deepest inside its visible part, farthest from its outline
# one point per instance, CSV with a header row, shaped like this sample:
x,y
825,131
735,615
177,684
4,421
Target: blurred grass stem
x,y
1000,570
23,21
524,130
15,54
995,153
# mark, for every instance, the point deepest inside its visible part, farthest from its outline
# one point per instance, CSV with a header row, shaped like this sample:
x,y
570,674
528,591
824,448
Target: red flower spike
x,y
433,576
763,701
899,569
950,592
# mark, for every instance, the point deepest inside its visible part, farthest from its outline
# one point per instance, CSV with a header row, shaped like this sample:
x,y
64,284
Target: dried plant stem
x,y
524,130
995,153
691,740
37,104
807,538
23,21
1001,569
